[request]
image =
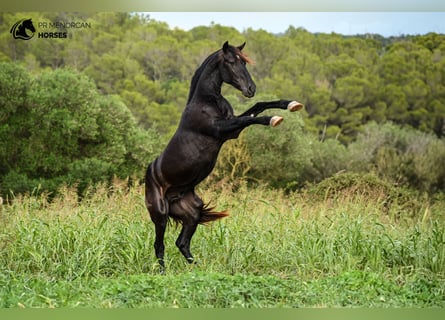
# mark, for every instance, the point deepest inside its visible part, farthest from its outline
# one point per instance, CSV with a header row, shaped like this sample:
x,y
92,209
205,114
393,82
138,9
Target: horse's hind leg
x,y
160,221
157,206
184,239
188,210
160,226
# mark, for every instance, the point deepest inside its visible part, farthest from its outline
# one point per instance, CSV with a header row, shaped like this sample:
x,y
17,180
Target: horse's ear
x,y
241,47
226,46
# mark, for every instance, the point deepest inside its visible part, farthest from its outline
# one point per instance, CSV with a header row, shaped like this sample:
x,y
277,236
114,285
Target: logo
x,y
23,29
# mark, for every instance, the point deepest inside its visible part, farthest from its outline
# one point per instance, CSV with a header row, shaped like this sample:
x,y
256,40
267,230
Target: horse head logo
x,y
19,29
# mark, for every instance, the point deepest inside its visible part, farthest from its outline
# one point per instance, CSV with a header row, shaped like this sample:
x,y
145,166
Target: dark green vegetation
x,y
341,205
57,129
105,101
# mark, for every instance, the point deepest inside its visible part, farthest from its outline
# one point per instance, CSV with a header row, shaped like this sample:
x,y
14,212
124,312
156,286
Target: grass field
x,y
349,248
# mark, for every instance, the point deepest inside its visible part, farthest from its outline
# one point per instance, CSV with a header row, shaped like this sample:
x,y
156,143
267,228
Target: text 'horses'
x,y
206,123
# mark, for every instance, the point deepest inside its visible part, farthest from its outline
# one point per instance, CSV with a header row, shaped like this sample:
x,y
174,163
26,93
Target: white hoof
x,y
294,106
276,120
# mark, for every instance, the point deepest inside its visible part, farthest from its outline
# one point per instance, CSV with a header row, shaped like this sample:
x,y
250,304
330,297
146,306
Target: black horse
x,y
206,123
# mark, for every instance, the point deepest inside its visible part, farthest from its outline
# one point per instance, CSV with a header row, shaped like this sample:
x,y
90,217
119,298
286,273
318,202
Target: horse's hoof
x,y
190,260
161,266
276,120
294,106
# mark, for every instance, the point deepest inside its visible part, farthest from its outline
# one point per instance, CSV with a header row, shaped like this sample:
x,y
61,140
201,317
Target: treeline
x,y
105,100
344,81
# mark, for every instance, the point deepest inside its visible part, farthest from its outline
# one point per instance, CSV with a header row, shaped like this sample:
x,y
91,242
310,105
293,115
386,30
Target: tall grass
x,y
268,233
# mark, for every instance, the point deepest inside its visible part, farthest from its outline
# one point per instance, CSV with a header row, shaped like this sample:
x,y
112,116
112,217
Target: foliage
x,y
62,131
70,99
402,155
398,155
344,81
370,187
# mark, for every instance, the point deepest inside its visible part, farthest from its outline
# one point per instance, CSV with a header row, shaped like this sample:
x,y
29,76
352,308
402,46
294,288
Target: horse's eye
x,y
237,57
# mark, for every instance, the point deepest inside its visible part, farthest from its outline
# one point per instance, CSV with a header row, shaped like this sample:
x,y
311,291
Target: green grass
x,y
199,289
275,249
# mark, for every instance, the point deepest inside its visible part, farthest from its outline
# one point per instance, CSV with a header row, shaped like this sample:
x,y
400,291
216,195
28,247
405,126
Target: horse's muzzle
x,y
249,91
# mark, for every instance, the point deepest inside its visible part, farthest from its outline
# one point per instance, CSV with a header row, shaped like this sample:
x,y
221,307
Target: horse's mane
x,y
198,73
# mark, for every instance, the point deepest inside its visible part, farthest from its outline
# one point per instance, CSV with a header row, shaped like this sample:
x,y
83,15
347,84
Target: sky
x,y
346,23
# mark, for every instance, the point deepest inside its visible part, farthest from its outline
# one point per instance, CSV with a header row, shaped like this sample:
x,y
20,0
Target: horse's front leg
x,y
231,128
259,107
241,122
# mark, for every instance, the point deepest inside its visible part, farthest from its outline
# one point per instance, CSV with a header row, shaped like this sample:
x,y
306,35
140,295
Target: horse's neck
x,y
208,83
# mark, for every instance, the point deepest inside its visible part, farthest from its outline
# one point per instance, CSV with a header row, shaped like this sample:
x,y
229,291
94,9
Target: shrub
x,y
279,155
403,155
63,131
370,187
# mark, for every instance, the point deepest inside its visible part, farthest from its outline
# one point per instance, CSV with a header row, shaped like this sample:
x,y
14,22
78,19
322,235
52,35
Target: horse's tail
x,y
208,215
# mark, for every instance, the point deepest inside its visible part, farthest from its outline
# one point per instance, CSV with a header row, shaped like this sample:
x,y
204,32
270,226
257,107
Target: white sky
x,y
347,23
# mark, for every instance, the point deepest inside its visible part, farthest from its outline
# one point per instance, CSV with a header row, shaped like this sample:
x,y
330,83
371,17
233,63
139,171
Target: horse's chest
x,y
191,153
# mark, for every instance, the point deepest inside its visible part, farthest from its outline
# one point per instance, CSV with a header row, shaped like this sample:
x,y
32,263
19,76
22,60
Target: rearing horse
x,y
206,123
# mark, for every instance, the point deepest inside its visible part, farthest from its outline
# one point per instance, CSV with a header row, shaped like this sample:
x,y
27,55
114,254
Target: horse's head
x,y
27,24
234,71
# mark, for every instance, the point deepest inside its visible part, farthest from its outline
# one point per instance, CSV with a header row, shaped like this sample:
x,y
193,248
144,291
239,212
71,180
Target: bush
x,y
288,157
62,131
275,156
329,157
403,155
370,187
279,155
